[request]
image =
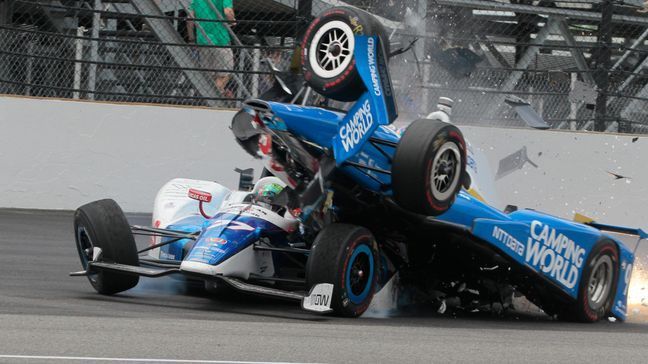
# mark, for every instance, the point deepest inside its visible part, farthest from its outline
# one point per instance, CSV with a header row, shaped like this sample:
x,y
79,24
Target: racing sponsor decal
x,y
373,69
355,24
554,253
319,298
216,240
508,240
198,195
232,225
352,133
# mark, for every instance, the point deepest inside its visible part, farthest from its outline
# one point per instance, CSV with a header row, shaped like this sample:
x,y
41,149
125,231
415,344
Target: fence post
x,y
602,73
94,50
29,79
256,66
78,56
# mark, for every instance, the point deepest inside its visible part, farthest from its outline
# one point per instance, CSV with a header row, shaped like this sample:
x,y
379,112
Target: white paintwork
x,y
173,204
238,266
285,223
319,298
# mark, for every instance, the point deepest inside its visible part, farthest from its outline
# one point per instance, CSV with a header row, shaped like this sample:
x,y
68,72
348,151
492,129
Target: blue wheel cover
x,y
347,277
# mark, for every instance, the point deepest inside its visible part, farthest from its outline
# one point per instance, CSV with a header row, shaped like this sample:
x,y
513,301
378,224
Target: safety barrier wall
x,y
60,154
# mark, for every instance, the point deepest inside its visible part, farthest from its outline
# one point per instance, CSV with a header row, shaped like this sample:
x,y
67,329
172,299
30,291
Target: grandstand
x,y
580,63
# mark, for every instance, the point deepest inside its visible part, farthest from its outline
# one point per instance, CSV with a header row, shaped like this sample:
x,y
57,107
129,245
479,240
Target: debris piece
x,y
618,176
442,308
488,268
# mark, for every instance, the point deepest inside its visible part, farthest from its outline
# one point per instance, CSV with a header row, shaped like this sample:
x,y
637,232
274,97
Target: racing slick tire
x,y
598,283
347,257
102,224
327,58
429,167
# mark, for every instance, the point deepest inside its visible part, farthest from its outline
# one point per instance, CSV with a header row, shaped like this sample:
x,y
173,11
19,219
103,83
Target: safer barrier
x,y
60,154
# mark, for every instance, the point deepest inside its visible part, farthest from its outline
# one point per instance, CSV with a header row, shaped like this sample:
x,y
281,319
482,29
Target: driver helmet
x,y
270,190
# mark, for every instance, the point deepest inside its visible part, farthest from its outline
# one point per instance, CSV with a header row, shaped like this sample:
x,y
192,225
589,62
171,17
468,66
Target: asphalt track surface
x,y
47,316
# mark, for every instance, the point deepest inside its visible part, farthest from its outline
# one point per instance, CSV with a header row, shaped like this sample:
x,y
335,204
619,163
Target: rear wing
x,y
620,229
639,233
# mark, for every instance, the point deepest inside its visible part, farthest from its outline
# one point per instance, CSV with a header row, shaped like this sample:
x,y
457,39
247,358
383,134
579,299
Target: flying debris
x,y
513,162
618,176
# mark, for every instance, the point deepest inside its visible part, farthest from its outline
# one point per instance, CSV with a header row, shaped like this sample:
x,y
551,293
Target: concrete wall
x,y
61,154
563,172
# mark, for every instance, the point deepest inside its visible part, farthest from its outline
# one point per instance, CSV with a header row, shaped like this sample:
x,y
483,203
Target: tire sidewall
x,y
329,261
584,311
451,134
348,85
413,163
108,229
81,220
342,294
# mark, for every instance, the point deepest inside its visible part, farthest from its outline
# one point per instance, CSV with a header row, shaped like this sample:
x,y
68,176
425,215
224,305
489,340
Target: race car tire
x,y
429,167
328,60
598,283
102,224
342,254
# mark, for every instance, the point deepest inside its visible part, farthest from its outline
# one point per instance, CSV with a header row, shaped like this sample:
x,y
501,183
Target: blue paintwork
x,y
320,126
517,234
511,233
174,251
358,299
226,234
554,248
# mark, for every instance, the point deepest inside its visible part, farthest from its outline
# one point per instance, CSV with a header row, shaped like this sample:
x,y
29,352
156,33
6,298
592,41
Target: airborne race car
x,y
361,204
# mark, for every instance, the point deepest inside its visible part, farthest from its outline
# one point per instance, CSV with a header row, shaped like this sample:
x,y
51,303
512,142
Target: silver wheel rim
x,y
331,50
446,170
600,282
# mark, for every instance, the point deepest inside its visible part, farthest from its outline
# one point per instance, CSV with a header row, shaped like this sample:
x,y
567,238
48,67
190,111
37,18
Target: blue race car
x,y
349,203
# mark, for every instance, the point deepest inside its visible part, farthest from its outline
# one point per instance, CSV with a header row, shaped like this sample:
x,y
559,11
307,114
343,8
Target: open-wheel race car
x,y
347,203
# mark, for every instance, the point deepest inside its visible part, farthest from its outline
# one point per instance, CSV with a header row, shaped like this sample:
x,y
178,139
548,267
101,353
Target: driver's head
x,y
270,190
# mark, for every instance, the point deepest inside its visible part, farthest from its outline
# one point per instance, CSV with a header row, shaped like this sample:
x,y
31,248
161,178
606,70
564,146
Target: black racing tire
x,y
340,255
598,283
429,149
102,224
337,77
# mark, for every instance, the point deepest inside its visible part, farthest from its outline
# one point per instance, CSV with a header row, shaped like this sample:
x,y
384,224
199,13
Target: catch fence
x,y
581,64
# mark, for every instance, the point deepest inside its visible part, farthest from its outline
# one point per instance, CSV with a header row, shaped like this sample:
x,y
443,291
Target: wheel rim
x,y
331,50
359,274
446,169
85,247
600,282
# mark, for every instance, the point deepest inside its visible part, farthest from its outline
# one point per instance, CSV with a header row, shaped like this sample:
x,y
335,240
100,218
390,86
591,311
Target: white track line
x,y
134,360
